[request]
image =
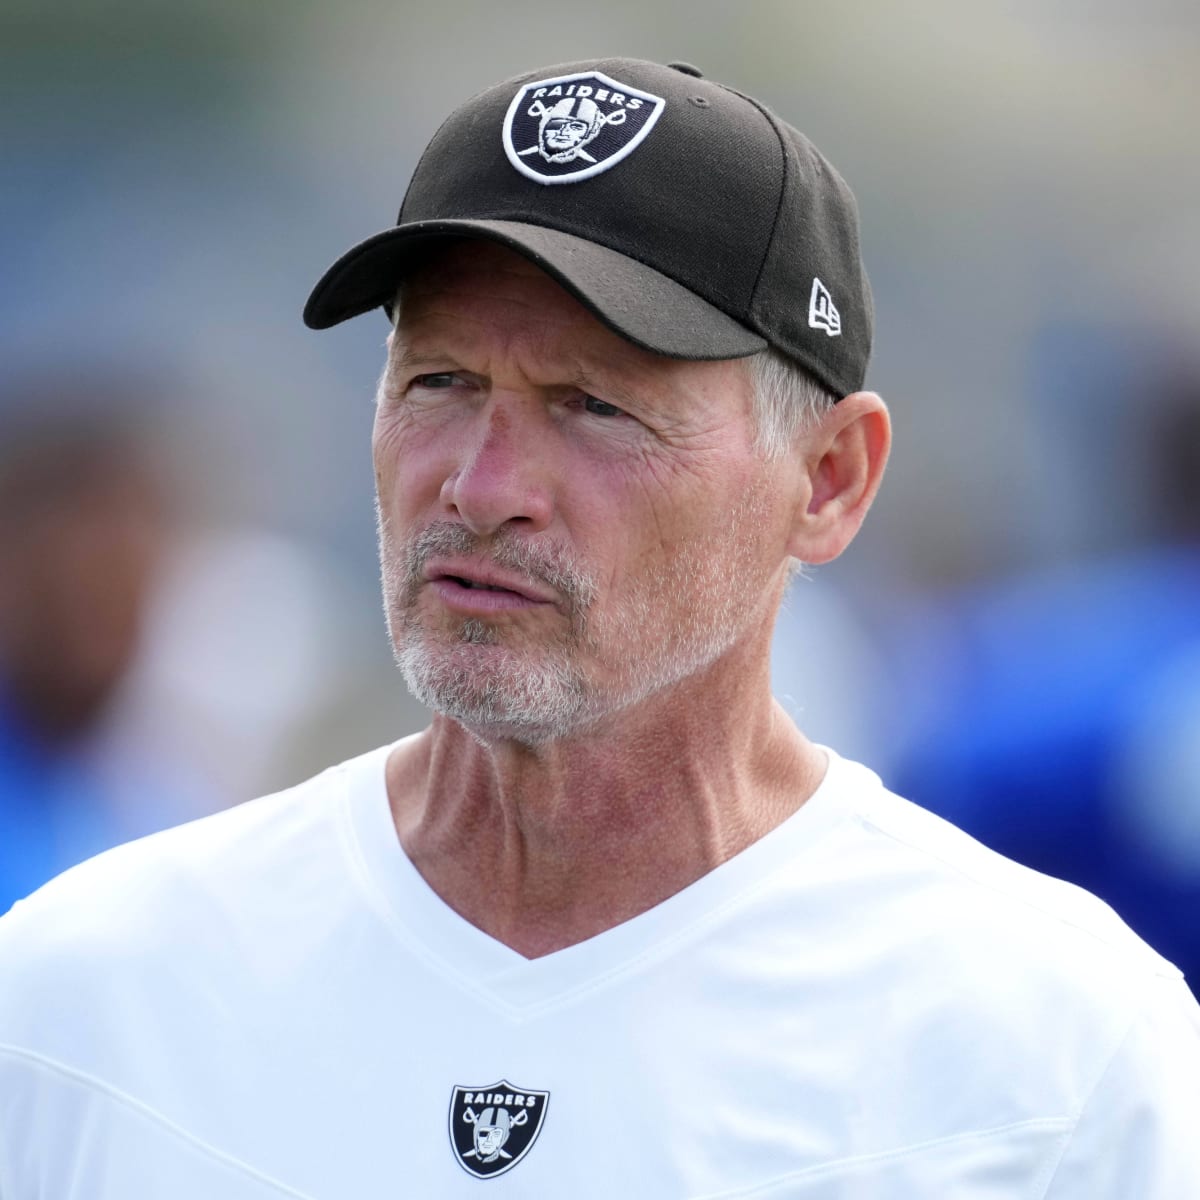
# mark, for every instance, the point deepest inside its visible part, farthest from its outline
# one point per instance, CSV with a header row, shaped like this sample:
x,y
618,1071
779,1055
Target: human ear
x,y
842,458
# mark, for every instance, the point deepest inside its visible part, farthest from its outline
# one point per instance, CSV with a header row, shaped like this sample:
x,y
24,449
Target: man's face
x,y
488,1139
564,133
568,524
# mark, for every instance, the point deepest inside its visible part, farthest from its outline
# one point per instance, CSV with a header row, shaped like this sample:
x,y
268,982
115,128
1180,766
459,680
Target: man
x,y
710,958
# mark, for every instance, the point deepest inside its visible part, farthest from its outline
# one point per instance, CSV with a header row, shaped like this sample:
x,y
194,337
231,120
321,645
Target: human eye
x,y
436,380
601,408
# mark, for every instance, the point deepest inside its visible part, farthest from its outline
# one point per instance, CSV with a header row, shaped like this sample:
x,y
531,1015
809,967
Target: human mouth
x,y
478,587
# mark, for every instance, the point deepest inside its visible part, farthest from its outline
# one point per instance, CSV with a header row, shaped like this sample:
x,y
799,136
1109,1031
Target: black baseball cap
x,y
685,215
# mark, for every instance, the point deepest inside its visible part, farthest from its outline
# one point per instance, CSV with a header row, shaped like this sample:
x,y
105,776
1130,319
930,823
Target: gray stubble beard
x,y
533,698
510,694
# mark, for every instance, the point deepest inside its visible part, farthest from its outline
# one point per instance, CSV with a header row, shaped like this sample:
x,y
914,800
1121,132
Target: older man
x,y
611,925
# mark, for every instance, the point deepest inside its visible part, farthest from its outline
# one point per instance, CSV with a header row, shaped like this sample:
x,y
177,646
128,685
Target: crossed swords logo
x,y
492,1127
562,134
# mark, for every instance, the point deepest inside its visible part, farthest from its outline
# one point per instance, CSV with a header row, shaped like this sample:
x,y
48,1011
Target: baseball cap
x,y
685,215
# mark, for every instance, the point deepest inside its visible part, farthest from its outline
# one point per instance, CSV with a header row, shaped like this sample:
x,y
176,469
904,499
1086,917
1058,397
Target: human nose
x,y
502,476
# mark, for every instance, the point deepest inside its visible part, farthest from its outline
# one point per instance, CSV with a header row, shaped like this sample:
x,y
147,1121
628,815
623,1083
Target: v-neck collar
x,y
517,985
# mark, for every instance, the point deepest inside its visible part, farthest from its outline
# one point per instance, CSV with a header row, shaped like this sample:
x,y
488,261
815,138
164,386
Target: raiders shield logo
x,y
567,129
492,1128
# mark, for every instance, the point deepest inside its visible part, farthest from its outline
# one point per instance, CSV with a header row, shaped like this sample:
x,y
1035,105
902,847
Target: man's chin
x,y
489,730
494,695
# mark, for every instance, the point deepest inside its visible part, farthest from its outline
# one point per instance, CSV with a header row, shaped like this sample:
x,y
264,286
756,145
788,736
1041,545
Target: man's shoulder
x,y
990,911
162,893
966,956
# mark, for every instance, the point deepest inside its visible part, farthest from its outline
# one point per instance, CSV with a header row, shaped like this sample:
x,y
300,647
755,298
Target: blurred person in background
x,y
1059,708
82,532
157,661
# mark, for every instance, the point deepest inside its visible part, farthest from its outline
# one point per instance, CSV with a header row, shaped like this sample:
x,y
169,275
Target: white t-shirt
x,y
863,1005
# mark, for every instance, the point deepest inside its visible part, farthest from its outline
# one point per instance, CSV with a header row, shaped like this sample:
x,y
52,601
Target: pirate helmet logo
x,y
492,1128
568,126
573,127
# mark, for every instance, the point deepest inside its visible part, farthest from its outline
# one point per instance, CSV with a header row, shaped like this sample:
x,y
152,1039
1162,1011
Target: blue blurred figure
x,y
1061,709
81,532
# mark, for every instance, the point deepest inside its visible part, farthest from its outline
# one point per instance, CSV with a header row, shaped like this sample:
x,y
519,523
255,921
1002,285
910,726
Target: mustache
x,y
545,562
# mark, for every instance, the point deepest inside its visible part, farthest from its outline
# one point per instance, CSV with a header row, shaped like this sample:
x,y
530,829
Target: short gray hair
x,y
787,401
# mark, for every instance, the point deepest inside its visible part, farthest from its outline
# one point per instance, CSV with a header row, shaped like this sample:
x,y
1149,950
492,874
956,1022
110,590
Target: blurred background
x,y
188,595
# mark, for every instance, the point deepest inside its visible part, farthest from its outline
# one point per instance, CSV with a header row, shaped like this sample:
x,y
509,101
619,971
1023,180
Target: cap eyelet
x,y
700,101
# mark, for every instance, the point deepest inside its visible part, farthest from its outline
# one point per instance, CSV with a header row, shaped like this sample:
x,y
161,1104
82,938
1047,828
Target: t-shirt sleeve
x,y
1136,1133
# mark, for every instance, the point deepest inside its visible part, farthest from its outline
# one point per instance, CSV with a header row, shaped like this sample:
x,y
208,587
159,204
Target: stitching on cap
x,y
417,169
525,75
773,123
823,370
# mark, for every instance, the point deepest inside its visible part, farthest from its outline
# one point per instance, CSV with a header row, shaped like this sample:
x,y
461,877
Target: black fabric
x,y
703,241
641,304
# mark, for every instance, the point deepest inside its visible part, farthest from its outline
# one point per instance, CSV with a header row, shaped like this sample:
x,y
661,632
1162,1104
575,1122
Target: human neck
x,y
542,848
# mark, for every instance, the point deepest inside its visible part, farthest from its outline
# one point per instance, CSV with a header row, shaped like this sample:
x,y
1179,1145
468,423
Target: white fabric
x,y
864,1005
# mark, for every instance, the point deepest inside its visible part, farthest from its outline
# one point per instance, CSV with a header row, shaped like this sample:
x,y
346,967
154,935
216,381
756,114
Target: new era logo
x,y
822,312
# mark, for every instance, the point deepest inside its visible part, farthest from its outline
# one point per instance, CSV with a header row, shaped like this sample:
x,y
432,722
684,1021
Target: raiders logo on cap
x,y
493,1127
573,127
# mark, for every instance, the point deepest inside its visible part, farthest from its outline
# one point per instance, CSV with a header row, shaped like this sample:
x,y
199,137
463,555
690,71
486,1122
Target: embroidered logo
x,y
492,1128
571,128
822,312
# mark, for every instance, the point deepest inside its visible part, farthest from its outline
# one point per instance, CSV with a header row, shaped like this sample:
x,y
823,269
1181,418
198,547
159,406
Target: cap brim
x,y
634,300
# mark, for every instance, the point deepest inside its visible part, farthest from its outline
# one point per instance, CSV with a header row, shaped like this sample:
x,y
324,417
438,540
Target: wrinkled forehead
x,y
473,295
478,293
478,296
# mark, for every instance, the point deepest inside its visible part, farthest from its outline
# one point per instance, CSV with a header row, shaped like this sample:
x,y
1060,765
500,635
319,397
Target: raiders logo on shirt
x,y
571,128
494,1126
